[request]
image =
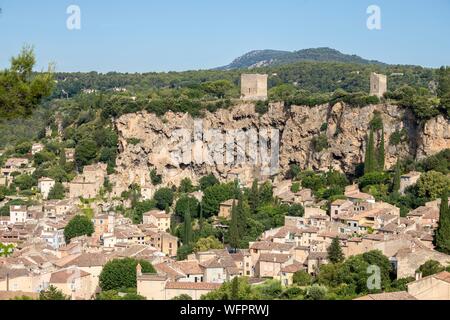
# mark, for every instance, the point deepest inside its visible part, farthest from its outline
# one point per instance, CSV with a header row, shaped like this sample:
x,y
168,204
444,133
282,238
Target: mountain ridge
x,y
270,57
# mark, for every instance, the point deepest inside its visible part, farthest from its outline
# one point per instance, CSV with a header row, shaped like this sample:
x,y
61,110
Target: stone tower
x,y
378,84
254,87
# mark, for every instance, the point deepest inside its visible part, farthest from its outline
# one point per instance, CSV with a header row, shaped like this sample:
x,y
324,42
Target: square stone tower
x,y
254,87
378,84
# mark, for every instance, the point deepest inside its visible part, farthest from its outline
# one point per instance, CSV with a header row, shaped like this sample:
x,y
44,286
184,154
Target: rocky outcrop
x,y
147,141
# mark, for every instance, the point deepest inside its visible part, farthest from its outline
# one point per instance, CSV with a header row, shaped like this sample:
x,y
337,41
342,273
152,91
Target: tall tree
x,y
396,180
370,159
242,217
235,289
381,153
442,235
253,197
234,230
335,253
187,227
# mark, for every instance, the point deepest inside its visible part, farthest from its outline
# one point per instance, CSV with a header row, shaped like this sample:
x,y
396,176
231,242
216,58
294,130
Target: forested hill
x,y
265,58
306,75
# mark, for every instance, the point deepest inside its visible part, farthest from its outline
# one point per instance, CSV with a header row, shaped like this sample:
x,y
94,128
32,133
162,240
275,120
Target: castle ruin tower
x,y
254,87
378,84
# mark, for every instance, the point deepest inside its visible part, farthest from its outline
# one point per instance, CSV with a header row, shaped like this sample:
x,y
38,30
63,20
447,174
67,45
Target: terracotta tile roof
x,y
274,257
153,277
317,255
219,262
293,268
189,267
266,245
443,276
402,295
10,295
12,272
193,285
166,269
157,214
63,276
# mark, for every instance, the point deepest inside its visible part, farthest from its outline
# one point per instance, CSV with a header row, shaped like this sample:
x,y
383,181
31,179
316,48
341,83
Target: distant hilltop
x,y
266,58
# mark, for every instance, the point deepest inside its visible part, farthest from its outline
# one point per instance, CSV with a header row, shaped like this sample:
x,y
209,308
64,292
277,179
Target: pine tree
x,y
370,159
335,253
381,153
253,197
442,235
187,227
234,230
396,180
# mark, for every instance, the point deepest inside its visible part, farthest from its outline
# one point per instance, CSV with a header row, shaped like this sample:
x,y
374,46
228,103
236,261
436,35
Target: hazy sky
x,y
156,35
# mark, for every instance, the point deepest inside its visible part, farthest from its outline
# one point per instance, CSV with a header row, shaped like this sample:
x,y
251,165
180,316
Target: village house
x,y
69,154
53,233
88,184
340,207
158,218
73,282
91,263
425,217
18,214
355,195
158,287
286,275
434,287
36,148
408,180
225,209
19,165
104,223
219,269
58,208
163,241
45,185
269,265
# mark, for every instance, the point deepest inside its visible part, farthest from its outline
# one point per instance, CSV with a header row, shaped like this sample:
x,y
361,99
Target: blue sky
x,y
156,35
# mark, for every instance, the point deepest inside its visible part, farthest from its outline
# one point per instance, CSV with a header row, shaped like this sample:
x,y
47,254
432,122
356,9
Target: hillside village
x,y
36,254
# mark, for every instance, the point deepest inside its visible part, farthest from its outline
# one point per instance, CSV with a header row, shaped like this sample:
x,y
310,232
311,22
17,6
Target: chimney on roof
x,y
139,270
418,275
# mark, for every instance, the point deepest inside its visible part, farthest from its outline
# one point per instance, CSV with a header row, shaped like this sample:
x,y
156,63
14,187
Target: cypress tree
x,y
200,219
187,227
253,197
381,152
335,253
234,230
396,181
235,288
370,159
242,219
442,234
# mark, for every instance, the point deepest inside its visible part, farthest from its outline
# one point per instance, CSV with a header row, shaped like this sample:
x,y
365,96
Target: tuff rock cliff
x,y
147,141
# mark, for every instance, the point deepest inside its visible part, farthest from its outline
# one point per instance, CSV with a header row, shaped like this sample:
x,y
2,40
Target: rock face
x,y
240,143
